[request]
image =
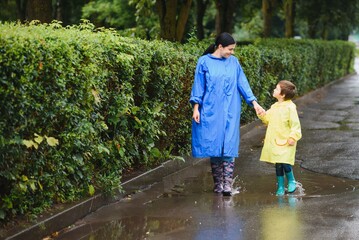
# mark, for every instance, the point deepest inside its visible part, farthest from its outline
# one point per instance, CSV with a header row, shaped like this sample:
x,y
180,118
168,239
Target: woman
x,y
218,86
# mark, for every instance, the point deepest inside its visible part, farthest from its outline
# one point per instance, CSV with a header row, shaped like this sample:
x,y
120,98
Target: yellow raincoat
x,y
283,123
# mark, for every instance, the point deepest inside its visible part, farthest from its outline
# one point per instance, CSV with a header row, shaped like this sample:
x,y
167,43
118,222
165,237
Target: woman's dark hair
x,y
223,39
288,89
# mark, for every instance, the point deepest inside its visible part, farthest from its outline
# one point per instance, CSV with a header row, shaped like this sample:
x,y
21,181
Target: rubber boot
x,y
280,186
291,182
217,174
228,168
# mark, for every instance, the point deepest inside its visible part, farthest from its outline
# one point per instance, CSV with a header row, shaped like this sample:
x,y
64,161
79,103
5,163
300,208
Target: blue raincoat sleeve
x,y
244,88
198,87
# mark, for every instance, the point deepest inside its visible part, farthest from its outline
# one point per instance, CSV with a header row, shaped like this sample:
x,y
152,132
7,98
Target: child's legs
x,y
279,170
290,177
287,167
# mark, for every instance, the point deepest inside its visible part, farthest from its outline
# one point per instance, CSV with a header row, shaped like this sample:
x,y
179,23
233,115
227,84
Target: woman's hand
x,y
259,110
196,115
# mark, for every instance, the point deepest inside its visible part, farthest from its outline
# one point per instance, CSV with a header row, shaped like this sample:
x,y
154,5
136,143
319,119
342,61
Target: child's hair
x,y
288,89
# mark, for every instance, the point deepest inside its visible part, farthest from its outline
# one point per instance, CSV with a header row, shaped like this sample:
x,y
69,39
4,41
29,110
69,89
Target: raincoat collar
x,y
214,57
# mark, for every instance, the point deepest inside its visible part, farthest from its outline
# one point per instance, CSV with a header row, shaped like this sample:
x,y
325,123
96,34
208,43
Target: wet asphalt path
x,y
182,205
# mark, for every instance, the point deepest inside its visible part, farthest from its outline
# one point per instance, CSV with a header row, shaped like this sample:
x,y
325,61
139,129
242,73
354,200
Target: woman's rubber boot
x,y
228,168
291,182
217,174
280,186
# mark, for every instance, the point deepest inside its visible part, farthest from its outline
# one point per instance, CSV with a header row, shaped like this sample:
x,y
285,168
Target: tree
x,y
201,6
116,14
8,10
68,11
268,8
39,10
225,15
289,11
328,19
173,22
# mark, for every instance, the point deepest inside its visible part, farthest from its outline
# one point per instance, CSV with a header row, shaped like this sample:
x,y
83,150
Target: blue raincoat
x,y
218,86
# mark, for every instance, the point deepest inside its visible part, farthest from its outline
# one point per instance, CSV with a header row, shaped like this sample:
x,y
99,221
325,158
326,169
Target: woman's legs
x,y
228,168
217,174
222,172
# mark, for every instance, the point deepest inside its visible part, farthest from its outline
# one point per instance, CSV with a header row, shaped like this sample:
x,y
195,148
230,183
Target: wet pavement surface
x,y
328,209
182,205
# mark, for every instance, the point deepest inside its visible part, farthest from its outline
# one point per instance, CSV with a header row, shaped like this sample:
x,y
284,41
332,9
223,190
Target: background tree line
x,y
176,20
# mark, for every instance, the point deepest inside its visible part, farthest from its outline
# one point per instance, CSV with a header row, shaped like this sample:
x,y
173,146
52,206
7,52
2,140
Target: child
x,y
282,135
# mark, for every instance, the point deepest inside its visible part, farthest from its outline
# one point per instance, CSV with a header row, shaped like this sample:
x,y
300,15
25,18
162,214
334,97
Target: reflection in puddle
x,y
226,223
137,228
281,222
128,228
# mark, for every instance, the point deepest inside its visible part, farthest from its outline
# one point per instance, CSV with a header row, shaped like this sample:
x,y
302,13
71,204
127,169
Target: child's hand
x,y
263,113
258,108
291,142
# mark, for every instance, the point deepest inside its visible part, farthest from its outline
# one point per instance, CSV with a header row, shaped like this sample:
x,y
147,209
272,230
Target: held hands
x,y
259,110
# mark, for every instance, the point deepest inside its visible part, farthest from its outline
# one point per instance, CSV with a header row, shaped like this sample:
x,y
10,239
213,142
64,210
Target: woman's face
x,y
227,51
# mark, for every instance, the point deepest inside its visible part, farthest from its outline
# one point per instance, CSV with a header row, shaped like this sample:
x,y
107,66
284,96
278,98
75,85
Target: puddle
x,y
127,228
184,207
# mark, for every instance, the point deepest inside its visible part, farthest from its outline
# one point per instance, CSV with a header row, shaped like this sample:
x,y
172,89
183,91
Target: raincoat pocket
x,y
280,147
281,142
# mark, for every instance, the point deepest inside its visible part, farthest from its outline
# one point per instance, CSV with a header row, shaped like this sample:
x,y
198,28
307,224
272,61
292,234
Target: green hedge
x,y
81,105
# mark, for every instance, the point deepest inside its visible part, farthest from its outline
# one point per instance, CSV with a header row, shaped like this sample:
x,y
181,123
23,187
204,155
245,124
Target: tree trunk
x,y
201,9
268,7
312,28
62,12
182,19
171,28
325,31
289,9
39,10
21,9
225,15
167,15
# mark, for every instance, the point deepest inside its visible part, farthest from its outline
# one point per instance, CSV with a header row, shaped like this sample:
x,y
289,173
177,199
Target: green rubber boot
x,y
280,186
291,182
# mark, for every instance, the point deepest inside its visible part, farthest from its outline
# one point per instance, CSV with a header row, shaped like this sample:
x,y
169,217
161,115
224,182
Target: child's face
x,y
276,93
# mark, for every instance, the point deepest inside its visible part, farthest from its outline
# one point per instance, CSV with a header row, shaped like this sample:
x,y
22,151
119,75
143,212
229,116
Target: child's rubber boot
x,y
217,174
291,182
280,186
228,168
